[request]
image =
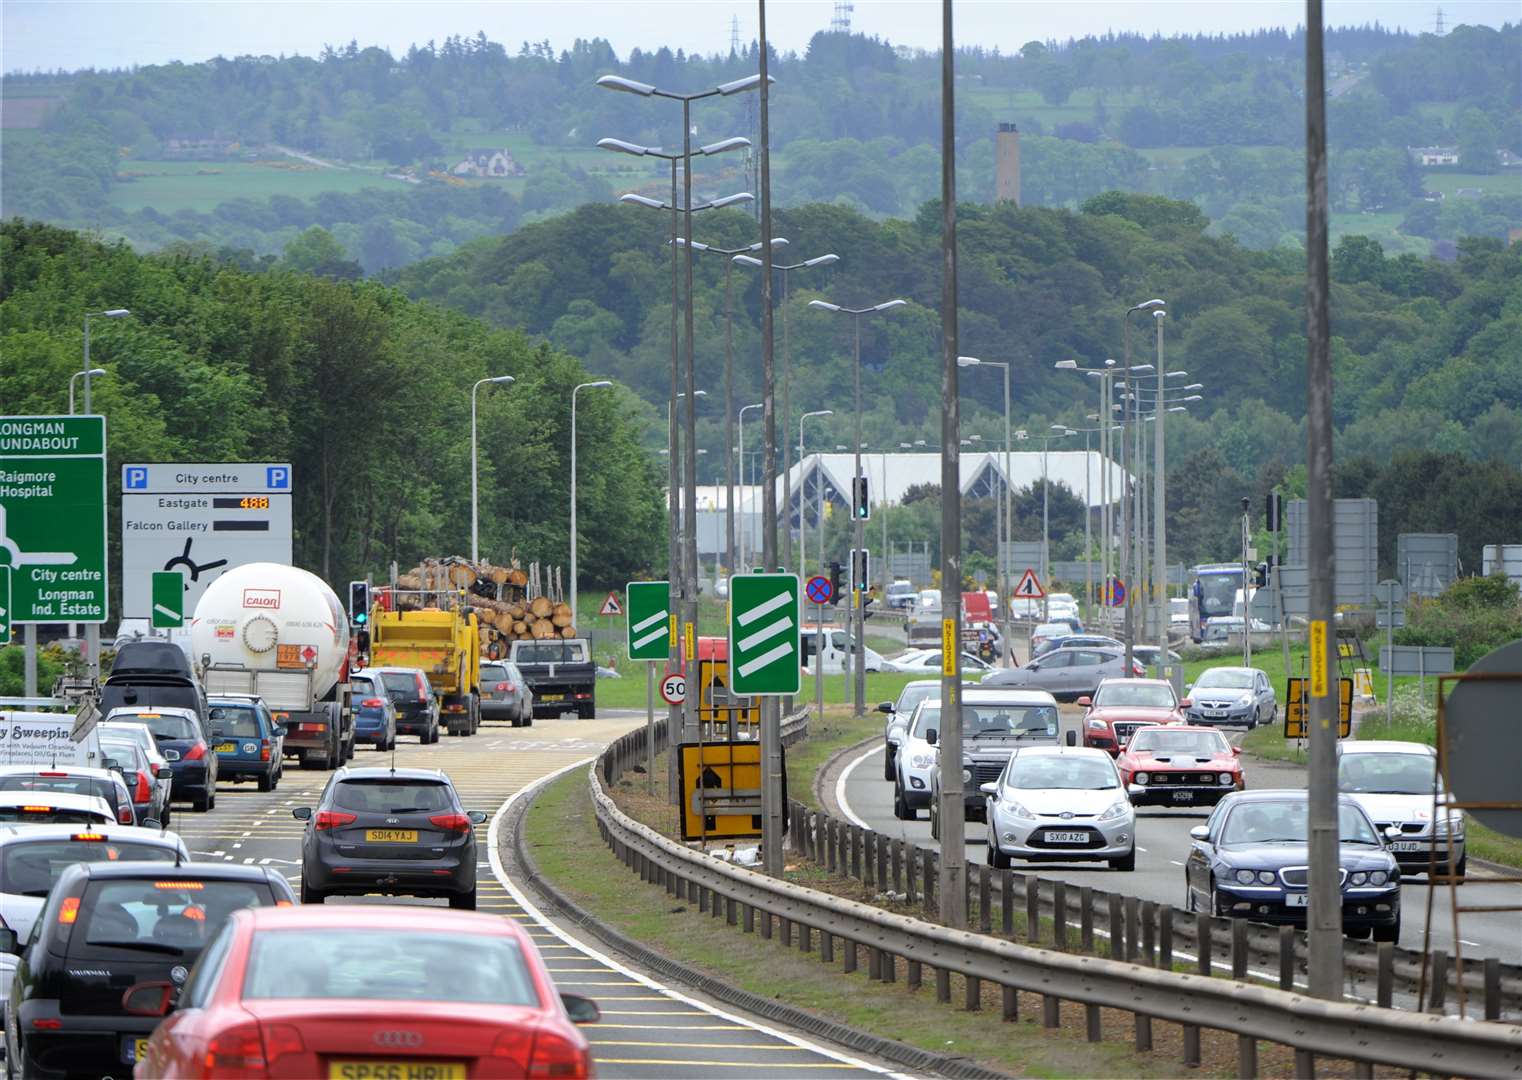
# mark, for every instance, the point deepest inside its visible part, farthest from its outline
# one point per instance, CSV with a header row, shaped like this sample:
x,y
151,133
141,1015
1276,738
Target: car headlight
x,y
1245,699
1141,778
1266,877
1357,878
1227,778
1097,725
922,761
1246,877
966,776
1015,809
1378,877
1116,811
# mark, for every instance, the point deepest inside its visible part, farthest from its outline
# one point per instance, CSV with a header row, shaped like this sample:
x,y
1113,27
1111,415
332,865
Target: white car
x,y
54,808
1392,782
1060,804
899,713
125,727
928,661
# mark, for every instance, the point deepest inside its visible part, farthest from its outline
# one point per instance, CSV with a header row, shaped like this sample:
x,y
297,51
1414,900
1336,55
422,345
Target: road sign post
x,y
168,589
764,619
1389,593
5,605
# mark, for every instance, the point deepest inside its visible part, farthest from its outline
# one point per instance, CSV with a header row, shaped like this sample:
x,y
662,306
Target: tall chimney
x,y
1007,164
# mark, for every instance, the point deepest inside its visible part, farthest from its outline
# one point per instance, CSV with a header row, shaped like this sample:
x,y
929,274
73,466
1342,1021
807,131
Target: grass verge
x,y
561,832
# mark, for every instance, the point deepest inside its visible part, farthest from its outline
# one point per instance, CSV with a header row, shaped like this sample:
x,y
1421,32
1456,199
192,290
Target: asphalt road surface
x,y
1162,835
647,1030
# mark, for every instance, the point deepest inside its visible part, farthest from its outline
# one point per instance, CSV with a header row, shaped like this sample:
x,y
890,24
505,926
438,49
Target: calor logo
x,y
268,599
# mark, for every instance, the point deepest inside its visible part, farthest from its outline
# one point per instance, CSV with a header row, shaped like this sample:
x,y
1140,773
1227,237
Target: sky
x,y
71,34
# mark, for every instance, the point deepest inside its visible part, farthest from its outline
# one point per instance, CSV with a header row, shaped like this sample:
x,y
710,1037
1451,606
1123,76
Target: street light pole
x,y
803,529
1002,507
1159,507
475,517
858,618
747,535
92,630
578,388
1130,636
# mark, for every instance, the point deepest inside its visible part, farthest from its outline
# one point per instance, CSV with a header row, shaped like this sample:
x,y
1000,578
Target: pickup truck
x,y
561,674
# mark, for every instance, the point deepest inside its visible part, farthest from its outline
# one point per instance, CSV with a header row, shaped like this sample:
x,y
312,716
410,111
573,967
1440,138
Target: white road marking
x,y
840,787
537,916
1175,862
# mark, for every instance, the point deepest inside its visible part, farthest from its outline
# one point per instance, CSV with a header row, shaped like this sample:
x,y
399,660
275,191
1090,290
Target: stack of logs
x,y
498,594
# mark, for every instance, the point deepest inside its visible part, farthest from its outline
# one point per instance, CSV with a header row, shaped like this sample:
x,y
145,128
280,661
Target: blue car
x,y
1249,861
374,712
248,741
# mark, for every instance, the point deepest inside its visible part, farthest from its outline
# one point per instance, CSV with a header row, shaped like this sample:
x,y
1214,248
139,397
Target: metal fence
x,y
1152,990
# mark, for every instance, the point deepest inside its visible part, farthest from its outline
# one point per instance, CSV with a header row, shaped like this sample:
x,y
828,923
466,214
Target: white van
x,y
836,645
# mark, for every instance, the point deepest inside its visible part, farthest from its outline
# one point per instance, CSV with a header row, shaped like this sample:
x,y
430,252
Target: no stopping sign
x,y
674,689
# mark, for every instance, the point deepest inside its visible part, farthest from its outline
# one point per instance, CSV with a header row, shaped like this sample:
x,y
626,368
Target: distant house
x,y
1426,156
1508,160
487,163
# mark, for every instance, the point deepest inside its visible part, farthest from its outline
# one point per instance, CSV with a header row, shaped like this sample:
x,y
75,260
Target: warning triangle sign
x,y
611,606
1029,588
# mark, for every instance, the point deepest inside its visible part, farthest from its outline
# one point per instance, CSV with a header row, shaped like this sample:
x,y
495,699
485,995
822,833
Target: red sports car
x,y
366,993
1177,765
1120,706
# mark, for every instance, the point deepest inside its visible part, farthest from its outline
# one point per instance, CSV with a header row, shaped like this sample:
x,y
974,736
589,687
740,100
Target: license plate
x,y
391,836
396,1070
227,748
551,697
1405,845
133,1049
1297,899
1067,838
1215,712
1183,796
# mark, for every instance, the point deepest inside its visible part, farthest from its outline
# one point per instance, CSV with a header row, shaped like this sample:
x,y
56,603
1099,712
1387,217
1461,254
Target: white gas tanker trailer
x,y
279,633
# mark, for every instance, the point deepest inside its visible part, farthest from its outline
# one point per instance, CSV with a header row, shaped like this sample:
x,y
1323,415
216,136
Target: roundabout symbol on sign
x,y
819,590
674,689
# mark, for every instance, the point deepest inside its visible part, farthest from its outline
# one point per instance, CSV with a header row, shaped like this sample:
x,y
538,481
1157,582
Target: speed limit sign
x,y
674,689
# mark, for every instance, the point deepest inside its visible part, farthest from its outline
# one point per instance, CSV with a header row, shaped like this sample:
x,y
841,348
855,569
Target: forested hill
x,y
246,153
1427,352
367,393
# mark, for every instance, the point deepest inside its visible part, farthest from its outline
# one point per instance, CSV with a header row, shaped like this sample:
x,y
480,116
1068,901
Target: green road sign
x,y
5,604
168,600
764,621
646,619
53,517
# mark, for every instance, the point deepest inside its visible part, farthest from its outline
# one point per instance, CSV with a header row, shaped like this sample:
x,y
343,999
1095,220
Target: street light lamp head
x,y
1178,408
95,372
824,305
822,260
599,382
697,245
730,200
1145,305
1061,365
739,86
641,200
112,313
1159,314
968,361
735,142
626,147
502,379
747,260
627,86
1193,397
777,242
886,304
1174,374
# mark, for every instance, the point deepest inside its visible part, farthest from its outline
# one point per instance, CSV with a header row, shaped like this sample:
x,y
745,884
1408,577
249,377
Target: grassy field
x,y
1506,183
1028,105
169,186
561,833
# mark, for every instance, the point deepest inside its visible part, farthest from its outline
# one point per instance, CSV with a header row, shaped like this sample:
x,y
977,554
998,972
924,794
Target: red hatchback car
x,y
1120,706
366,993
1178,765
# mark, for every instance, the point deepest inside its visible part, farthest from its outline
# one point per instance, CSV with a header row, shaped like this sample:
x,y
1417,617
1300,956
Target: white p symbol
x,y
277,476
137,477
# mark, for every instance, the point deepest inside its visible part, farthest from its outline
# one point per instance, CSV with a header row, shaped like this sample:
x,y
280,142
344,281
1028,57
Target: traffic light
x,y
359,602
837,580
861,568
1275,511
859,498
1260,576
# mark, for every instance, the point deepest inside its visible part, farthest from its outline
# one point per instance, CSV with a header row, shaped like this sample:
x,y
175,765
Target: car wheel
x,y
889,772
935,819
528,721
1462,868
464,901
266,781
901,808
1360,933
200,805
310,896
996,858
164,818
1188,897
1388,933
1125,862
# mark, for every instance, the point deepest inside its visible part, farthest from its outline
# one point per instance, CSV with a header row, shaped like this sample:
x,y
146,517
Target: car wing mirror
x,y
163,772
1086,701
1392,833
9,943
581,1010
1236,751
885,707
1200,832
477,817
302,813
991,788
153,998
1072,737
932,736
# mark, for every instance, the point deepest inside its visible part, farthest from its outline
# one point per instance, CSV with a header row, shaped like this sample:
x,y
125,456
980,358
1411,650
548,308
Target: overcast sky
x,y
69,34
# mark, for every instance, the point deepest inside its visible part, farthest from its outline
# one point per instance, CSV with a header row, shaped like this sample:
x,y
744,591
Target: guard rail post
x,y
898,865
943,985
1086,918
1007,901
985,900
1060,916
911,871
1286,958
1165,937
1149,931
1133,930
1033,910
1239,949
1492,988
1437,993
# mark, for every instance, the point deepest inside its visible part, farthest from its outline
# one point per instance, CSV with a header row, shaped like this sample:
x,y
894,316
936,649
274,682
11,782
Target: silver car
x,y
899,712
1067,674
1393,782
1060,804
1237,696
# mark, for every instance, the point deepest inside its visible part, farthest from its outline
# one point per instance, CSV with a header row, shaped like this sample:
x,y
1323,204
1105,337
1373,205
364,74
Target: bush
x,y
1473,617
50,665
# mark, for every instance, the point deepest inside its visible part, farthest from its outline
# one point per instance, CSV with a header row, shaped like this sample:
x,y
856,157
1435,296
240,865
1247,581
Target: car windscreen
x,y
494,673
565,653
166,725
1386,774
31,867
362,686
1046,772
1160,740
42,814
400,682
1274,822
233,721
1224,679
100,787
1135,695
388,965
391,796
124,752
994,721
910,696
172,915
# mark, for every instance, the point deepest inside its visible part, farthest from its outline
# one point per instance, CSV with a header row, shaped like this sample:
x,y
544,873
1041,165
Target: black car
x,y
1250,860
110,934
417,707
183,744
401,832
150,674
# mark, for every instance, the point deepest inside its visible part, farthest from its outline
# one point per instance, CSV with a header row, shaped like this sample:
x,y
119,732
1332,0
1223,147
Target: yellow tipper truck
x,y
442,641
